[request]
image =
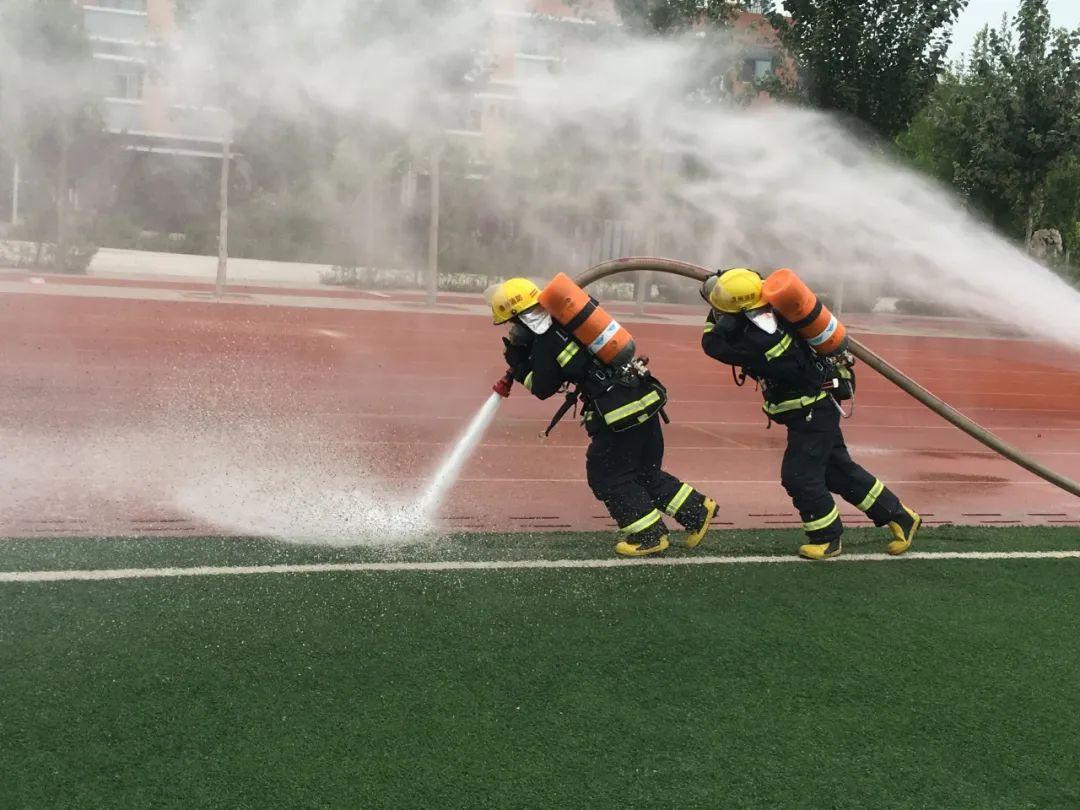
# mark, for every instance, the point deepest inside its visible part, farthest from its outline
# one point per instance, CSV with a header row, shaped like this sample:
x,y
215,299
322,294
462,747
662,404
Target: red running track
x,y
133,416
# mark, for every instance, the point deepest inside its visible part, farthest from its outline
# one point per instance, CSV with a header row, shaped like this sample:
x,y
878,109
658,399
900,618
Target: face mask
x,y
536,319
764,319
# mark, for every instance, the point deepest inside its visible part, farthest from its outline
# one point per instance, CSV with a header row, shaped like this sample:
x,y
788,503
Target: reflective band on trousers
x,y
779,348
830,330
528,381
567,354
823,523
871,496
642,524
675,504
792,404
634,407
604,338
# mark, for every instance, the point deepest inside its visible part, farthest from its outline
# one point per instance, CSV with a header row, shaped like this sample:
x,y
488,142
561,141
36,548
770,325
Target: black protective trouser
x,y
624,471
817,463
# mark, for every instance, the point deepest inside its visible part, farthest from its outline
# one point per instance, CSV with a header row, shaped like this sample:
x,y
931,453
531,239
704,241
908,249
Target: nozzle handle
x,y
503,385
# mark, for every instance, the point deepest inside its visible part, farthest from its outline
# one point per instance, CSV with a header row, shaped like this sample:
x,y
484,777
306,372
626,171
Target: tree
x,y
1004,129
1039,81
674,16
1061,194
48,100
875,60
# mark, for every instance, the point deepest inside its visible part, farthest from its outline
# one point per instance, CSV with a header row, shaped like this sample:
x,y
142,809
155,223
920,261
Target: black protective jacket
x,y
790,373
554,359
548,362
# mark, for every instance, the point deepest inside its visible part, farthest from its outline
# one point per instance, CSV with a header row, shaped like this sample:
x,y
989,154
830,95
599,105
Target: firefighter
x,y
802,391
623,466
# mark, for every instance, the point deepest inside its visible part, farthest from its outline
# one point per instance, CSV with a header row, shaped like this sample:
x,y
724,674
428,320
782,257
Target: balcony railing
x,y
115,24
209,124
123,115
201,123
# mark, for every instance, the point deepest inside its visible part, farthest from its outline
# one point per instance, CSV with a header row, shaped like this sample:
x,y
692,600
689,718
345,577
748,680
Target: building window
x,y
528,68
125,5
535,38
128,84
756,69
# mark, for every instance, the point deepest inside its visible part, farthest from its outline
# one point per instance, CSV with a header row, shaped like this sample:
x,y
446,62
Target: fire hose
x,y
860,351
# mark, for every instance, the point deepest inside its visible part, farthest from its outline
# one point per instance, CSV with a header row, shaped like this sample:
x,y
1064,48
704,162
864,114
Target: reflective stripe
x,y
567,354
792,404
632,408
528,381
709,326
872,496
779,348
675,504
604,337
830,330
642,524
823,523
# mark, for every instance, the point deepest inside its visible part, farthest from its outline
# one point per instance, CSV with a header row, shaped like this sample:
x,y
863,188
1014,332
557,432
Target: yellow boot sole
x,y
901,542
819,551
694,539
625,549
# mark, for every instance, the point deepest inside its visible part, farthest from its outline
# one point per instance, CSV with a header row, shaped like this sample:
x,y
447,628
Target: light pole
x,y
15,179
223,227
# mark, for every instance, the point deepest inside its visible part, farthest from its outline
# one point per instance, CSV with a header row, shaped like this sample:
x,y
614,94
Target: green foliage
x,y
673,16
284,226
875,60
1004,129
1060,195
45,72
47,113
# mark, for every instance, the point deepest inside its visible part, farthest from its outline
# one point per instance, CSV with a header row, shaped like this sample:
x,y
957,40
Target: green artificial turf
x,y
929,683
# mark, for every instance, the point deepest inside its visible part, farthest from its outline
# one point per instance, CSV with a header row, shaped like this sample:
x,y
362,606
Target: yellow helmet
x,y
735,290
513,297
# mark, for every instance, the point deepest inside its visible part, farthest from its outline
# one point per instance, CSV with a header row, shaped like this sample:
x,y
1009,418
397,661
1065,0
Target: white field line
x,y
500,565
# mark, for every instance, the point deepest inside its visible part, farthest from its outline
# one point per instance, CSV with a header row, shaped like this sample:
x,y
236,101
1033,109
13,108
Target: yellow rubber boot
x,y
821,551
694,538
902,535
627,549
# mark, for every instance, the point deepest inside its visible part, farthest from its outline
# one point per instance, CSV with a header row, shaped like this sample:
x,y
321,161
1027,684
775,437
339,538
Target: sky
x,y
1063,14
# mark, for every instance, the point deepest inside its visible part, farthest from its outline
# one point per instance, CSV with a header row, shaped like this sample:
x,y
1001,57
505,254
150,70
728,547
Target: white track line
x,y
500,565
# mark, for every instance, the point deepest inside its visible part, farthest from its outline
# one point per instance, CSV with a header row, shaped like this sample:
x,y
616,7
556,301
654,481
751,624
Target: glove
x,y
517,357
840,379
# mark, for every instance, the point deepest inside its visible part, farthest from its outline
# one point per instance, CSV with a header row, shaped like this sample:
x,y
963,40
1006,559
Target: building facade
x,y
131,42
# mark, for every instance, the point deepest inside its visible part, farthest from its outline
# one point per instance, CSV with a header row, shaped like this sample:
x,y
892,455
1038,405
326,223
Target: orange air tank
x,y
799,306
587,321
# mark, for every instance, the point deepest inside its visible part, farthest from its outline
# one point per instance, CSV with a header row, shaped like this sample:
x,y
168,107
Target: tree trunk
x,y
369,225
643,279
62,213
433,229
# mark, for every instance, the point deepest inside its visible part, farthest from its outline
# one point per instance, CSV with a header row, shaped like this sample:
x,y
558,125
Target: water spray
x,y
874,361
463,448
